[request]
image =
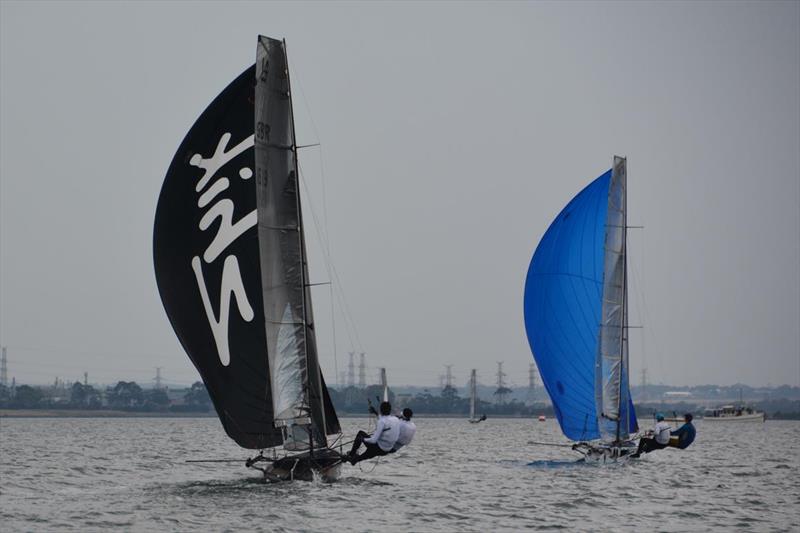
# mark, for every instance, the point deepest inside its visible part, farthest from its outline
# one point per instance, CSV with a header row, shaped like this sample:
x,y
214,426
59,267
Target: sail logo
x,y
209,187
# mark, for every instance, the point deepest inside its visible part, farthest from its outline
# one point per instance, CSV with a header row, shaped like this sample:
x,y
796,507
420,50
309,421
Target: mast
x,y
624,322
298,391
472,394
304,270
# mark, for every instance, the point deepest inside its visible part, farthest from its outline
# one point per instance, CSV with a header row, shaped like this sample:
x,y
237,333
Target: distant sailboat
x,y
576,317
230,261
473,398
384,385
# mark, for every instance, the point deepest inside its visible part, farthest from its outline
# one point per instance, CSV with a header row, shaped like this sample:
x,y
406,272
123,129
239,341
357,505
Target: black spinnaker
x,y
211,257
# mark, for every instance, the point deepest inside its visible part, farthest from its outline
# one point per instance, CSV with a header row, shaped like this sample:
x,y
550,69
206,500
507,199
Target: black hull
x,y
323,464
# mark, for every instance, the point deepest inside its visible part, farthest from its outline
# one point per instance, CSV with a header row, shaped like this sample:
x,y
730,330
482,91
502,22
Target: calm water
x,y
131,474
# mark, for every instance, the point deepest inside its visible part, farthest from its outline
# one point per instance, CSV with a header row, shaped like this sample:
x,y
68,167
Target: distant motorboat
x,y
733,413
542,418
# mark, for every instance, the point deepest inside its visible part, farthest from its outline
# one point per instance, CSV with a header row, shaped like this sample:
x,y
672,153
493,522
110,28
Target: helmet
x,y
659,417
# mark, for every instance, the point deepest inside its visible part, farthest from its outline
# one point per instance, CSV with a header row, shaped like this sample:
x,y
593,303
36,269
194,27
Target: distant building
x,y
401,400
677,394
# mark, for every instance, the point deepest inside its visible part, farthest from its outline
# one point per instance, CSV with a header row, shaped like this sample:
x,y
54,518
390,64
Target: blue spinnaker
x,y
563,296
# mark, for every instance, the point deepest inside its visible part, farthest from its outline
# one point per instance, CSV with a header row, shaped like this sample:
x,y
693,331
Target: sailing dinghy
x,y
576,318
230,262
473,398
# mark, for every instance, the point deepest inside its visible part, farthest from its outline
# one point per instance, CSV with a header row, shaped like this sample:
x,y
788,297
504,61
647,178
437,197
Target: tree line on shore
x,y
124,396
129,396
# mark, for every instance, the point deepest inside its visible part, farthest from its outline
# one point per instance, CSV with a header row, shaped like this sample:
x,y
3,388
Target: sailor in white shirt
x,y
407,430
659,440
382,439
661,431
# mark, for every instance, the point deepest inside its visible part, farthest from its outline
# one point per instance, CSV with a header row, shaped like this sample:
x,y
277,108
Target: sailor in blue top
x,y
686,433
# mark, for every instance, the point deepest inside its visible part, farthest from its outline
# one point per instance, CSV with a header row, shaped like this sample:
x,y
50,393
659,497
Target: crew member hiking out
x,y
684,435
659,440
407,430
382,439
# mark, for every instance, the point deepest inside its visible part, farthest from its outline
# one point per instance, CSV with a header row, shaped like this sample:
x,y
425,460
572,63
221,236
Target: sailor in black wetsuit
x,y
686,433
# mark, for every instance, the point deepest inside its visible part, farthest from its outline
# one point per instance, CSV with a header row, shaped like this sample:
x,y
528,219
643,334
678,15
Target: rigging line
x,y
346,307
374,466
646,320
332,274
327,242
341,300
323,240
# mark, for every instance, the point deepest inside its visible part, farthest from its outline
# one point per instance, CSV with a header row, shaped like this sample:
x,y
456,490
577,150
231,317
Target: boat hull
x,y
323,465
751,417
605,453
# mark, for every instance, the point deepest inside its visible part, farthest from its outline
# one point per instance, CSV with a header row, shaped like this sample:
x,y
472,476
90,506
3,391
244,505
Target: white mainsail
x,y
473,392
612,355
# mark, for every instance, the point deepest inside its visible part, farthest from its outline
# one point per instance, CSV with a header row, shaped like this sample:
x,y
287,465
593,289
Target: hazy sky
x,y
452,134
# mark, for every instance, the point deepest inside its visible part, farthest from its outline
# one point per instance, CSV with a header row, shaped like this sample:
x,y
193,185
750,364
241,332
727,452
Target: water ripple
x,y
98,474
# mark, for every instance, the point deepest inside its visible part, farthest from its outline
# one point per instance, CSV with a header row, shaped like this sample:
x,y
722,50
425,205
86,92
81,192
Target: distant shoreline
x,y
100,413
107,413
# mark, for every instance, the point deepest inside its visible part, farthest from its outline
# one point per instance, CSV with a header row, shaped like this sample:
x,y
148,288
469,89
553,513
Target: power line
x,y
531,383
351,370
362,371
448,376
3,367
502,391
